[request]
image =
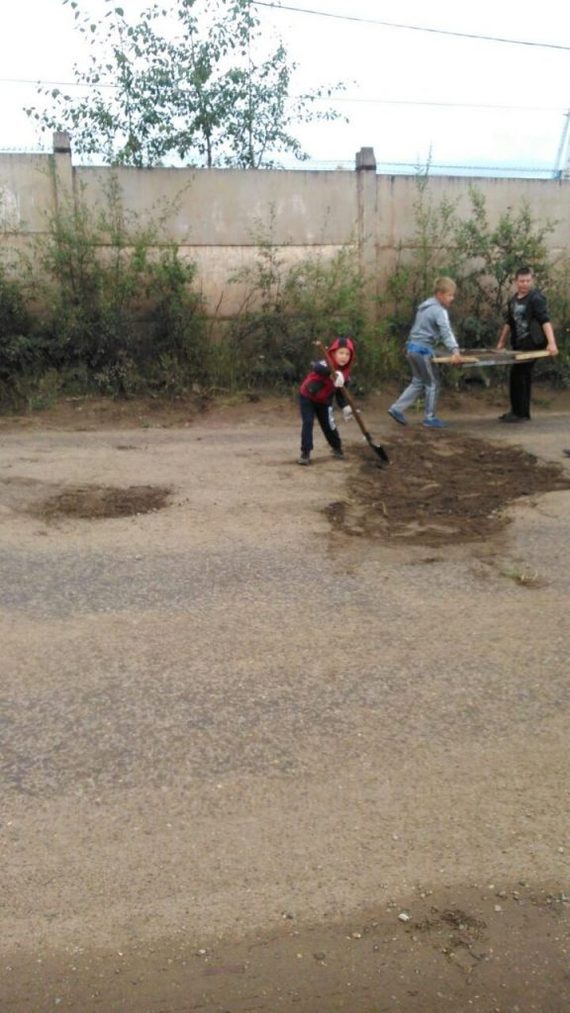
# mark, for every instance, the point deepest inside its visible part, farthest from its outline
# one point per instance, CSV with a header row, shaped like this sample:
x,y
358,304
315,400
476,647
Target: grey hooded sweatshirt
x,y
431,327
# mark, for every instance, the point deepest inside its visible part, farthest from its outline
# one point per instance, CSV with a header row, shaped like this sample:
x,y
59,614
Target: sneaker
x,y
304,459
398,416
435,423
339,454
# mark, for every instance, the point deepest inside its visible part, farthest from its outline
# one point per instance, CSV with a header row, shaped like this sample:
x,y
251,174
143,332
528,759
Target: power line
x,y
415,166
410,28
450,105
330,99
55,84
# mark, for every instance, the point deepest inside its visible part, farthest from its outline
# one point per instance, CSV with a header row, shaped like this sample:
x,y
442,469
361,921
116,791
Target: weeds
x,y
120,314
286,310
123,317
524,578
483,259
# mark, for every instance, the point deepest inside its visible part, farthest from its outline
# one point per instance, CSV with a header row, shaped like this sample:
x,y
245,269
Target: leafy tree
x,y
193,82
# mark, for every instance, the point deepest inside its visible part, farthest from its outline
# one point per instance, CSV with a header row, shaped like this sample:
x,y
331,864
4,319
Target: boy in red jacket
x,y
316,395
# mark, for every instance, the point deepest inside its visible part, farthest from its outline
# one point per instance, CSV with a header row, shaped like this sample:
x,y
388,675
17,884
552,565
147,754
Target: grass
x,y
524,578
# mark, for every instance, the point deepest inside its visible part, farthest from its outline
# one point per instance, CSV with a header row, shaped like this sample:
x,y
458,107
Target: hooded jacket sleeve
x,y
445,332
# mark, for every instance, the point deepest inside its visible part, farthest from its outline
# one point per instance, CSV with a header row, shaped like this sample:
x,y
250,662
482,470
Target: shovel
x,y
378,450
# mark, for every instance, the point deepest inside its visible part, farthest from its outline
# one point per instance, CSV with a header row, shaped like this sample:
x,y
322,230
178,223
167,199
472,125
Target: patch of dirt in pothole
x,y
453,487
94,502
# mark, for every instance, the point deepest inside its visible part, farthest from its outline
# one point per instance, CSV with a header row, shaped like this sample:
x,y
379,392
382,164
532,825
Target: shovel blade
x,y
383,456
380,452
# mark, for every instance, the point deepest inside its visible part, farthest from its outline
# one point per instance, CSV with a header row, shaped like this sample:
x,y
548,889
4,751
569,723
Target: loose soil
x,y
440,486
452,488
97,502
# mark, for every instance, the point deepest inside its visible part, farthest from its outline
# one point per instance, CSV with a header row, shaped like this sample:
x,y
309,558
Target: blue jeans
x,y
425,381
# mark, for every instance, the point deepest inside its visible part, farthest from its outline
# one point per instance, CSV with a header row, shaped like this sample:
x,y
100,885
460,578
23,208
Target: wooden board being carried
x,y
492,357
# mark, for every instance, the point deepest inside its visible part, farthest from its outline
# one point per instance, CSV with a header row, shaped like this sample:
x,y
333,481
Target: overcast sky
x,y
408,92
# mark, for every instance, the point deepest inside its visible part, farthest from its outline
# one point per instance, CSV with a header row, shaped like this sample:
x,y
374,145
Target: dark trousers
x,y
520,384
324,414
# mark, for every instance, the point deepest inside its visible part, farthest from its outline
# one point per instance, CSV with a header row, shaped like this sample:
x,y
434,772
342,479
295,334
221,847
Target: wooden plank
x,y
492,357
520,356
466,360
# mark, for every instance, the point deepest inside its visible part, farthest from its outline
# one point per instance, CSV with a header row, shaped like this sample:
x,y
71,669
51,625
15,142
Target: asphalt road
x,y
217,713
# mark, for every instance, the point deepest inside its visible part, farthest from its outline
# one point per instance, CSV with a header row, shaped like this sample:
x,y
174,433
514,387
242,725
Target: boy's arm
x,y
322,368
539,309
445,332
446,335
551,345
505,331
507,328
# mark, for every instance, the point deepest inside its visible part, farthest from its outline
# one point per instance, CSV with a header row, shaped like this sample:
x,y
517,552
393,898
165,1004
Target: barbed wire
x,y
332,164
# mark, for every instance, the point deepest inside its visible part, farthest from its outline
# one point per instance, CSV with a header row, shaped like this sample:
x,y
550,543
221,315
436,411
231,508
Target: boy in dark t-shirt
x,y
528,326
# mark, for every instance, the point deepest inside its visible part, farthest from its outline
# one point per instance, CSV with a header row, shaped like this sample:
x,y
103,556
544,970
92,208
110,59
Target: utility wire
x,y
421,166
56,84
410,28
325,98
449,105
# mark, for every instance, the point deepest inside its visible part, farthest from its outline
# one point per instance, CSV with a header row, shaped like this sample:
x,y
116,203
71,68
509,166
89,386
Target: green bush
x,y
287,309
117,317
483,260
178,334
21,347
120,316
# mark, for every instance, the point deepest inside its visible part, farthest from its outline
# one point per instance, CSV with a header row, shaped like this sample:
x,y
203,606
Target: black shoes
x,y
511,417
306,458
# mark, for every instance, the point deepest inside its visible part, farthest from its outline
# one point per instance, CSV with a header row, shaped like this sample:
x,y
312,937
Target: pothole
x,y
94,502
454,489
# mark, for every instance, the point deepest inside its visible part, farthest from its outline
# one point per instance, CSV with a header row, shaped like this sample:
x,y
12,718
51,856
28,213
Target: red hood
x,y
345,343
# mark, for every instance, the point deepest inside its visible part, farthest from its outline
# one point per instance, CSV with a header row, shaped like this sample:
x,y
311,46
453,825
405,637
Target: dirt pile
x,y
94,502
452,487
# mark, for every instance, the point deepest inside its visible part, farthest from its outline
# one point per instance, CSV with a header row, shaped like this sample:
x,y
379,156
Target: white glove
x,y
347,413
338,379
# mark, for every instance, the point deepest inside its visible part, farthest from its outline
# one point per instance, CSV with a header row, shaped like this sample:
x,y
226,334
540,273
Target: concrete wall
x,y
547,199
219,216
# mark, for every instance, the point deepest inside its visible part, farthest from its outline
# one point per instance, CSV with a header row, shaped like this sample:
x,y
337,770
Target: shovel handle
x,y
378,450
327,355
